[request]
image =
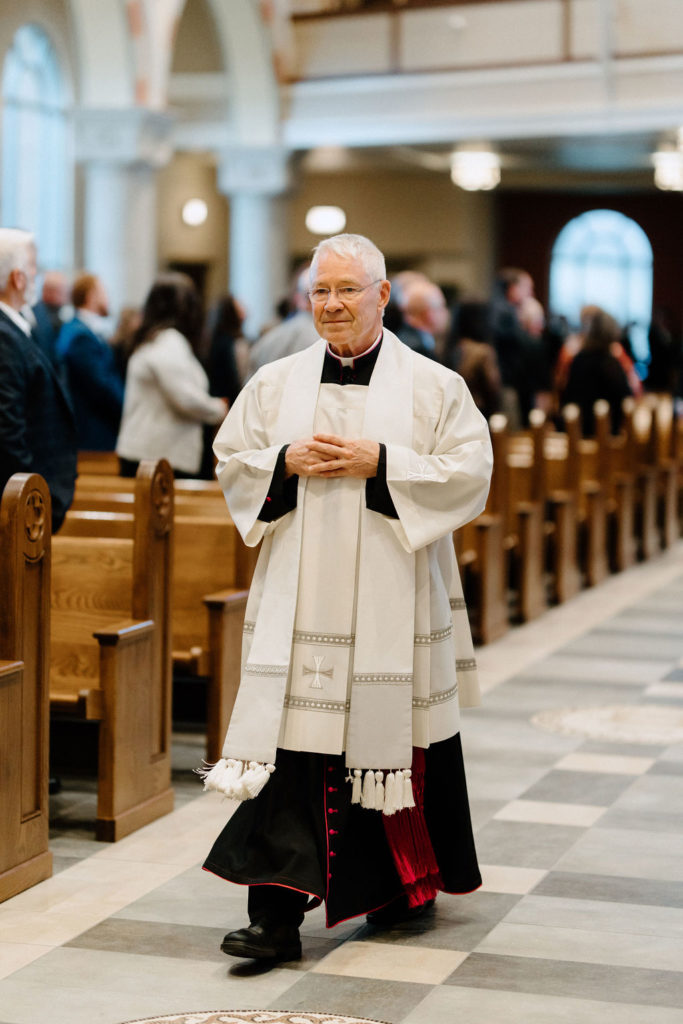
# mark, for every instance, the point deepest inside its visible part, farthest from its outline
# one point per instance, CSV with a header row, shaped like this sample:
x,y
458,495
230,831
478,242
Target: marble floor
x,y
579,827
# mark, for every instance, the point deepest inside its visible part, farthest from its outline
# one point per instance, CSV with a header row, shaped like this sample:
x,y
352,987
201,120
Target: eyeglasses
x,y
347,292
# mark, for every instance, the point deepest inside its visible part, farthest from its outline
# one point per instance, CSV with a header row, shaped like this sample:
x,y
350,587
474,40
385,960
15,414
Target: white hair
x,y
15,246
353,247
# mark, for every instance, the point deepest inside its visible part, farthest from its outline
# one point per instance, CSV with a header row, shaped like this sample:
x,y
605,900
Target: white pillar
x,y
121,152
255,180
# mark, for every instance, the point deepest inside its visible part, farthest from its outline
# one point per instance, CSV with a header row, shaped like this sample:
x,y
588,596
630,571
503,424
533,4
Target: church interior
x,y
518,159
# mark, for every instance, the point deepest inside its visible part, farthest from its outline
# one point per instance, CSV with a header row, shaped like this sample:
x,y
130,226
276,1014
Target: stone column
x,y
255,180
121,152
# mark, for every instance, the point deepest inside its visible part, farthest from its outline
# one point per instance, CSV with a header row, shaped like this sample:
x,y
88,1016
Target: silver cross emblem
x,y
318,671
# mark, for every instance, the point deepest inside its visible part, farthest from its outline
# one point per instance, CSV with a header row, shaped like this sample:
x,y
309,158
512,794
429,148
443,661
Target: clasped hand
x,y
331,456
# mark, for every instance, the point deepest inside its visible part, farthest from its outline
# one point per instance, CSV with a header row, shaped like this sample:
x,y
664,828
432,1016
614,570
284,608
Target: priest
x,y
351,462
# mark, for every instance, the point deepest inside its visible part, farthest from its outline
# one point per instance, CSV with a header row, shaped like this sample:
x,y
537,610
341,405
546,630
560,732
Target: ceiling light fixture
x,y
475,169
668,169
325,220
195,212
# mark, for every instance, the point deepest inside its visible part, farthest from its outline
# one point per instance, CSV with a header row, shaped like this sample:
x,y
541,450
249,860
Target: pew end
x,y
110,656
25,565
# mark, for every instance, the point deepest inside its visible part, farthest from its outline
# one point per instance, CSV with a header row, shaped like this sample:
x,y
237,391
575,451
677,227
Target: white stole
x,y
380,719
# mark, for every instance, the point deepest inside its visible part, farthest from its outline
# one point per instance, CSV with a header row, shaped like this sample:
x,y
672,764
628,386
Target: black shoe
x,y
262,941
397,912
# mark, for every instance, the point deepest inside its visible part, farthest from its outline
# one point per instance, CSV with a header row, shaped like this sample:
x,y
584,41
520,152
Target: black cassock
x,y
302,832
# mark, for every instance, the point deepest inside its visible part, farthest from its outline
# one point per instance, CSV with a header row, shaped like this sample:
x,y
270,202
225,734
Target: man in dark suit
x,y
54,298
37,429
95,386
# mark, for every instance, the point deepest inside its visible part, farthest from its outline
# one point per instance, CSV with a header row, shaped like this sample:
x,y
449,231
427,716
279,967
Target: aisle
x,y
580,838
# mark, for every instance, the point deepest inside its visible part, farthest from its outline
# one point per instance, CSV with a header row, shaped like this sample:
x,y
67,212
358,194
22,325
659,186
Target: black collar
x,y
357,372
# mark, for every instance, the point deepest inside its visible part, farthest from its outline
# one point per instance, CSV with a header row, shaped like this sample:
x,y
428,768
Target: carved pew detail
x,y
24,659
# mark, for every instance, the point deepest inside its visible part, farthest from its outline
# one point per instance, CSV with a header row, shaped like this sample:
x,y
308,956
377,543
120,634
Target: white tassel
x,y
357,786
368,794
254,779
408,798
234,780
379,791
390,794
221,777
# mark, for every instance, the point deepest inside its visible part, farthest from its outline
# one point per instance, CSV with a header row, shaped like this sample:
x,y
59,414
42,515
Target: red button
x,y
333,832
330,768
332,853
332,789
331,810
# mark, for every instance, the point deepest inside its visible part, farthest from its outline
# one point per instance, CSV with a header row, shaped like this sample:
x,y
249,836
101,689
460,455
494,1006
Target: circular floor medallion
x,y
254,1017
660,724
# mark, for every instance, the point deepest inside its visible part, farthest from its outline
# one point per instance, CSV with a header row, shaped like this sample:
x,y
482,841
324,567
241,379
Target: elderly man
x,y
353,462
425,317
37,430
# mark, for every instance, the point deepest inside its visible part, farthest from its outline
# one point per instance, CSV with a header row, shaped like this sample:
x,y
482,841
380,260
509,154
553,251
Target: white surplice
x,y
356,635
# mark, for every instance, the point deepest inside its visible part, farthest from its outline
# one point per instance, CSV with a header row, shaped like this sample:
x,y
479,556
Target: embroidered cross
x,y
318,671
423,471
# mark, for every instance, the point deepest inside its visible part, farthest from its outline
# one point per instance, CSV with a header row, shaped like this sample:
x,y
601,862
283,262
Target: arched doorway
x,y
604,258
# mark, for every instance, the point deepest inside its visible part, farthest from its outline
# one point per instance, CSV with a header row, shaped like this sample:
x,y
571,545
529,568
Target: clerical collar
x,y
352,369
350,360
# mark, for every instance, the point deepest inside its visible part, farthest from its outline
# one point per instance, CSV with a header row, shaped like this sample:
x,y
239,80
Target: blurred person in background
x,y
520,357
596,373
49,310
167,390
292,335
574,343
226,363
37,428
94,382
228,351
425,317
532,319
665,353
121,340
473,356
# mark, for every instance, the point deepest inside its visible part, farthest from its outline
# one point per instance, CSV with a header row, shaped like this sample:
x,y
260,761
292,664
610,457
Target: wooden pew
x,y
98,462
123,501
479,547
572,467
637,457
111,653
186,488
663,453
212,571
523,527
24,660
530,453
619,482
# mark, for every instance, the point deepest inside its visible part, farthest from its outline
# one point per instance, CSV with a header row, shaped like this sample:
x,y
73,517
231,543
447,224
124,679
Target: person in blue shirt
x,y
89,363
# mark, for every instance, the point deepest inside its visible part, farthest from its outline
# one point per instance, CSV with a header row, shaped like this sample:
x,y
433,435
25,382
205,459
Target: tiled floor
x,y
580,917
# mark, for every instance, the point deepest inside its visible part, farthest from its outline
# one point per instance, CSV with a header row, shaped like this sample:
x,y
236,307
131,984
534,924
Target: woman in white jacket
x,y
167,397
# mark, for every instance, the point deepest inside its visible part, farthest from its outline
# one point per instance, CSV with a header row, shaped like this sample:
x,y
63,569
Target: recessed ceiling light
x,y
475,169
195,212
325,220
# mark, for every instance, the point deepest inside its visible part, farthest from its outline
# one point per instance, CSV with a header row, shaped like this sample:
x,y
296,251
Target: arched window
x,y
604,258
36,149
